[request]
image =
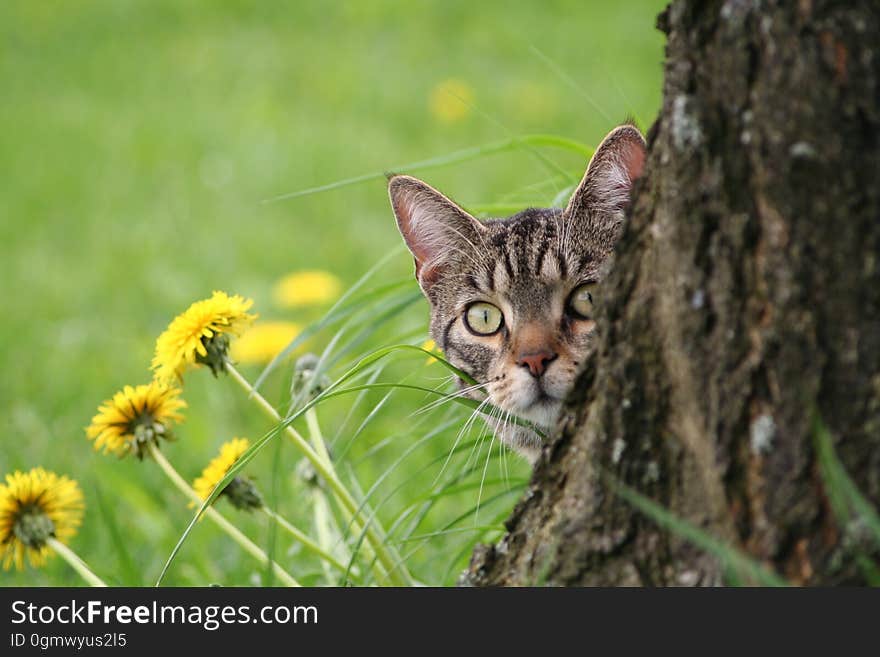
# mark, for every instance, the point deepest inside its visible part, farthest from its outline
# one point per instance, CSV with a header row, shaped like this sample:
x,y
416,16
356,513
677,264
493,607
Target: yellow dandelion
x,y
263,341
135,417
241,492
450,100
307,288
430,345
35,507
531,101
200,336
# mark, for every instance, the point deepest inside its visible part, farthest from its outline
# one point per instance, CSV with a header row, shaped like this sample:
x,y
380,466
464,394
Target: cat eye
x,y
483,318
581,300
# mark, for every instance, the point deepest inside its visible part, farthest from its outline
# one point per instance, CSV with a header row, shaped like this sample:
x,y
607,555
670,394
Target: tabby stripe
x,y
563,267
490,278
446,330
545,244
583,261
508,265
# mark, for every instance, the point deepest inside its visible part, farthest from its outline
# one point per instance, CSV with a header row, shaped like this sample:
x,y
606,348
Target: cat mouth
x,y
540,395
543,398
535,394
540,407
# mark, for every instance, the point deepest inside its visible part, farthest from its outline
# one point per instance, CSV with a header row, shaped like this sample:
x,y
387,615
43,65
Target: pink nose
x,y
536,361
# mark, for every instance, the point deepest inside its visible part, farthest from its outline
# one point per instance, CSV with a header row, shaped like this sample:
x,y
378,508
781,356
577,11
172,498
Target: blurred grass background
x,y
139,140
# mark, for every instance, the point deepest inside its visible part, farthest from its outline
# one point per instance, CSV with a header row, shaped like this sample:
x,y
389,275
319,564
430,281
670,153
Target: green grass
x,y
140,142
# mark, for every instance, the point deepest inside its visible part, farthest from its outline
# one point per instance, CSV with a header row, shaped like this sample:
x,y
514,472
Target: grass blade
x,y
729,556
456,157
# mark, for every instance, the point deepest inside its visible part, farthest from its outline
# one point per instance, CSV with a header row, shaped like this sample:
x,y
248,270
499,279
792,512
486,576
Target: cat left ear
x,y
604,192
433,227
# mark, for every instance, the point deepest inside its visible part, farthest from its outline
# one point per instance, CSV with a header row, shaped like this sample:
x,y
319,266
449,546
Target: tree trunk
x,y
742,314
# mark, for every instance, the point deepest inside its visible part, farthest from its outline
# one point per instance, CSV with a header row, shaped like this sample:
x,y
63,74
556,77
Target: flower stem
x,y
234,533
304,540
325,522
75,562
320,447
316,435
394,568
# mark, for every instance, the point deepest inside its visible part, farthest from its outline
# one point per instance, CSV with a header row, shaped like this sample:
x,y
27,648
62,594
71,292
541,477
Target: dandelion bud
x,y
305,382
241,492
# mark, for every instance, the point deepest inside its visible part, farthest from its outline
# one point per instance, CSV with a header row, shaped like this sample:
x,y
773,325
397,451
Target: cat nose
x,y
536,361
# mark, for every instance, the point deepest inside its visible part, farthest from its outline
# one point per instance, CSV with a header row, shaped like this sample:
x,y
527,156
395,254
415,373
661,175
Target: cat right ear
x,y
433,227
604,193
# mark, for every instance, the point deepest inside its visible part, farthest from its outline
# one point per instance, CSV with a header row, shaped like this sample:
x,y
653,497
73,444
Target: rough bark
x,y
743,308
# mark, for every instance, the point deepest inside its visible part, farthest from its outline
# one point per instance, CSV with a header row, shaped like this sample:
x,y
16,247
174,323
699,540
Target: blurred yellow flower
x,y
263,341
36,506
200,336
450,100
135,417
240,491
531,100
307,288
430,345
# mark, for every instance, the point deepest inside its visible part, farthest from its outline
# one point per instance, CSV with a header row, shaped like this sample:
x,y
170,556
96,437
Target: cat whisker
x,y
472,245
458,437
483,479
560,228
488,417
470,256
503,452
445,382
504,467
463,277
446,378
445,398
475,451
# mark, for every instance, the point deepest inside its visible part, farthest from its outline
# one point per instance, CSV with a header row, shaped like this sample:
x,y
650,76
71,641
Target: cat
x,y
512,299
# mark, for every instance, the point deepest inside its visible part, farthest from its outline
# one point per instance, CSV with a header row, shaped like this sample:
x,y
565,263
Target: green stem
x,y
75,562
323,520
323,517
396,570
320,459
304,540
234,533
316,435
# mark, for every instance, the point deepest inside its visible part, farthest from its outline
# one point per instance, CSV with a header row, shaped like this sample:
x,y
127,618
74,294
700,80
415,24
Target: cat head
x,y
512,299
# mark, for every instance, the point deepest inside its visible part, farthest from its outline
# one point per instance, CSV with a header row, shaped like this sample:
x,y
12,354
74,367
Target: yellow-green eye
x,y
483,318
581,302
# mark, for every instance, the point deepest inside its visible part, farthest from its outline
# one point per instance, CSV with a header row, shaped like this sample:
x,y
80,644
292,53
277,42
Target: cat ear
x,y
432,226
604,192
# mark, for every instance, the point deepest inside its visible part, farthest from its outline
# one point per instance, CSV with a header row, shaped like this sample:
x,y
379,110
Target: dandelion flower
x,y
263,341
430,345
200,336
34,507
450,100
529,100
241,492
135,417
307,288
